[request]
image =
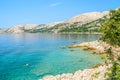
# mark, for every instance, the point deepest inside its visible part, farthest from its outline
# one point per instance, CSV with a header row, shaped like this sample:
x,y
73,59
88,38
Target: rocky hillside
x,y
22,28
88,17
87,22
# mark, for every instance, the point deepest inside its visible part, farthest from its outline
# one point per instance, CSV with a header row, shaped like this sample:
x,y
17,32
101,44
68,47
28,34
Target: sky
x,y
15,12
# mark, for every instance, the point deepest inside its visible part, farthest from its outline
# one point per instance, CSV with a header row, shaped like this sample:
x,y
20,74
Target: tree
x,y
111,34
111,28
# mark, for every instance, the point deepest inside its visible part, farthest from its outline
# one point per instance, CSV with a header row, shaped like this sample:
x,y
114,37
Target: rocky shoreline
x,y
94,47
98,47
98,72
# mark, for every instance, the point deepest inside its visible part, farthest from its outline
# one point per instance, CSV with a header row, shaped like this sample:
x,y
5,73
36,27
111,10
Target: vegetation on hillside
x,y
88,27
41,30
115,69
111,28
71,27
111,34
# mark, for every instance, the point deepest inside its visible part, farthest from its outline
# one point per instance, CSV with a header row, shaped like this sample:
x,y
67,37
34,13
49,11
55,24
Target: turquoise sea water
x,y
32,56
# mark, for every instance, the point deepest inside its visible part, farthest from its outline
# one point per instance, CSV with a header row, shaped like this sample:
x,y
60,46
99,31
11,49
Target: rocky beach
x,y
98,72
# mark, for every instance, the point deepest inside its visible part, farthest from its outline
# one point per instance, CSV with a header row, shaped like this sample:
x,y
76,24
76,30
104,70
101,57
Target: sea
x,y
33,56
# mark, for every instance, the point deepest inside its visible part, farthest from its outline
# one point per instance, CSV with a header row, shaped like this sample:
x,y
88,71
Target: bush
x,y
111,28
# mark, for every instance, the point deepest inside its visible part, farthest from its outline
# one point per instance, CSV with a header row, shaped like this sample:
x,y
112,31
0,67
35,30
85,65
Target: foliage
x,y
115,69
111,28
96,75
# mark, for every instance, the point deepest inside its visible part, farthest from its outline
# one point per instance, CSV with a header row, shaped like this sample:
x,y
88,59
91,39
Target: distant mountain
x,y
88,17
22,28
87,22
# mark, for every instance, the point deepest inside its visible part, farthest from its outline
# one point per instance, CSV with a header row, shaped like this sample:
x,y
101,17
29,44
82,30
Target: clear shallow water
x,y
32,56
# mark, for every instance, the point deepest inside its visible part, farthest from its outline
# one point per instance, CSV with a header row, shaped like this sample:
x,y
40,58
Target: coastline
x,y
94,46
55,33
79,33
98,72
98,47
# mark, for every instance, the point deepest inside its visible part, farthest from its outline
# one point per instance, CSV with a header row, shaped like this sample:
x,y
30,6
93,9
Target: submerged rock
x,y
63,47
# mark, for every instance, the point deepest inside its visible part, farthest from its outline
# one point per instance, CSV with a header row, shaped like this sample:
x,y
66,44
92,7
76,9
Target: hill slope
x,y
87,22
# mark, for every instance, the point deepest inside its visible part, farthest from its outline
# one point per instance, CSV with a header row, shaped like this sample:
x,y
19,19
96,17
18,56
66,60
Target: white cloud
x,y
55,4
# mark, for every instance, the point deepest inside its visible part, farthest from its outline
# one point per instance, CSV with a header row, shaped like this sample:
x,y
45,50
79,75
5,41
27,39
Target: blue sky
x,y
15,12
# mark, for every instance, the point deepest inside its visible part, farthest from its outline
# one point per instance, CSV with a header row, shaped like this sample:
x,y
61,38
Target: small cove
x,y
32,56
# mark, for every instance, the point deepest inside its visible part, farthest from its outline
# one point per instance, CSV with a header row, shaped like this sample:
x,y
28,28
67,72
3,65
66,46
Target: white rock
x,y
88,17
87,74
